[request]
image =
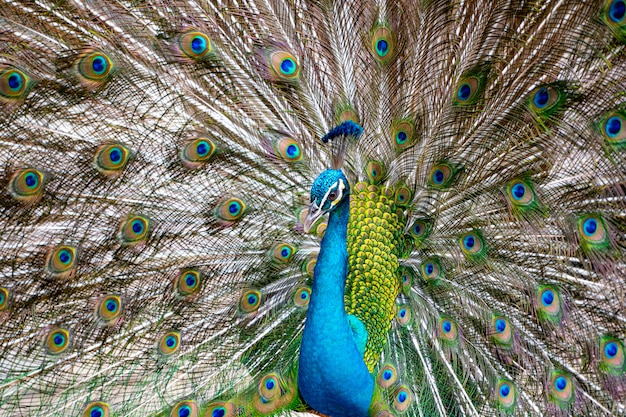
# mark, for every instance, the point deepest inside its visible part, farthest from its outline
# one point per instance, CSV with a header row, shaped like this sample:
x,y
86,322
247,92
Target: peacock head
x,y
329,189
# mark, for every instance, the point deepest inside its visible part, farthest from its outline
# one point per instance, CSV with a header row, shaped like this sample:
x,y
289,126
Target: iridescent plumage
x,y
160,250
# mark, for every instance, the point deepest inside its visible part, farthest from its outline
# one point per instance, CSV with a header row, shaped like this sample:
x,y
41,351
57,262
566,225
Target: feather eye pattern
x,y
163,252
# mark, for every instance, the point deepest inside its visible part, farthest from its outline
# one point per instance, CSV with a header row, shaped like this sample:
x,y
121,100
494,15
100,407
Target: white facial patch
x,y
340,187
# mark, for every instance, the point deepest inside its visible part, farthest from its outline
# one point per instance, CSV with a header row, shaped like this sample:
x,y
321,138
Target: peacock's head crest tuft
x,y
329,189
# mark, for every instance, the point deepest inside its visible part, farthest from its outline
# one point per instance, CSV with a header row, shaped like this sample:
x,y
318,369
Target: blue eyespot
x,y
505,390
252,299
304,295
288,66
99,65
446,326
438,177
65,256
613,126
401,137
184,411
269,384
293,151
560,383
547,298
96,412
542,97
31,180
617,10
590,226
111,306
382,47
202,148
137,226
464,92
219,412
500,325
170,341
429,268
16,81
198,44
518,190
115,155
402,313
387,375
190,280
469,242
234,208
58,339
610,350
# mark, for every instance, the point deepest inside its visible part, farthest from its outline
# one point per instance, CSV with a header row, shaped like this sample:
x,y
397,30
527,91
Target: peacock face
x,y
328,190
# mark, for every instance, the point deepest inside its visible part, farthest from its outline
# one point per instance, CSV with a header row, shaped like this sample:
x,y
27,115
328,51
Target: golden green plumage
x,y
372,286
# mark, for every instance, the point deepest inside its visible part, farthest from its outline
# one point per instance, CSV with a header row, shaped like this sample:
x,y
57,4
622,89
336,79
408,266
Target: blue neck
x,y
332,377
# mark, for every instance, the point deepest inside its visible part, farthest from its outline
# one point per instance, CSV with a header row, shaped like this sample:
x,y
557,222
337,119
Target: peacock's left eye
x,y
332,196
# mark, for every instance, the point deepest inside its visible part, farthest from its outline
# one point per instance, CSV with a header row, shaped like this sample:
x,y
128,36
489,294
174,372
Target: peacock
x,y
216,208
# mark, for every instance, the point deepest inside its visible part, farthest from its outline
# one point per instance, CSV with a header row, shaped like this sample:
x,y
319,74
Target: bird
x,y
342,208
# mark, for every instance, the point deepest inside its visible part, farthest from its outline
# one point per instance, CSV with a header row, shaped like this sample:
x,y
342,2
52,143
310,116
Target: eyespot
x,y
220,409
382,44
284,65
617,11
420,229
431,270
61,261
561,389
403,314
375,171
501,331
97,409
195,45
27,185
14,84
109,308
441,176
472,245
402,133
185,409
520,193
95,66
134,230
387,376
593,233
250,301
196,152
57,341
467,90
4,299
447,331
309,266
111,159
283,253
169,343
302,296
506,395
230,209
612,359
548,304
546,99
288,149
270,387
188,282
402,196
402,398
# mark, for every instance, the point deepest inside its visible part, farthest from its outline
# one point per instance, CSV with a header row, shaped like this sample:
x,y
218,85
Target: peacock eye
x,y
332,196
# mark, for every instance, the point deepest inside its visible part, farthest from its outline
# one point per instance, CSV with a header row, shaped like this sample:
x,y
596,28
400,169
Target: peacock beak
x,y
315,213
